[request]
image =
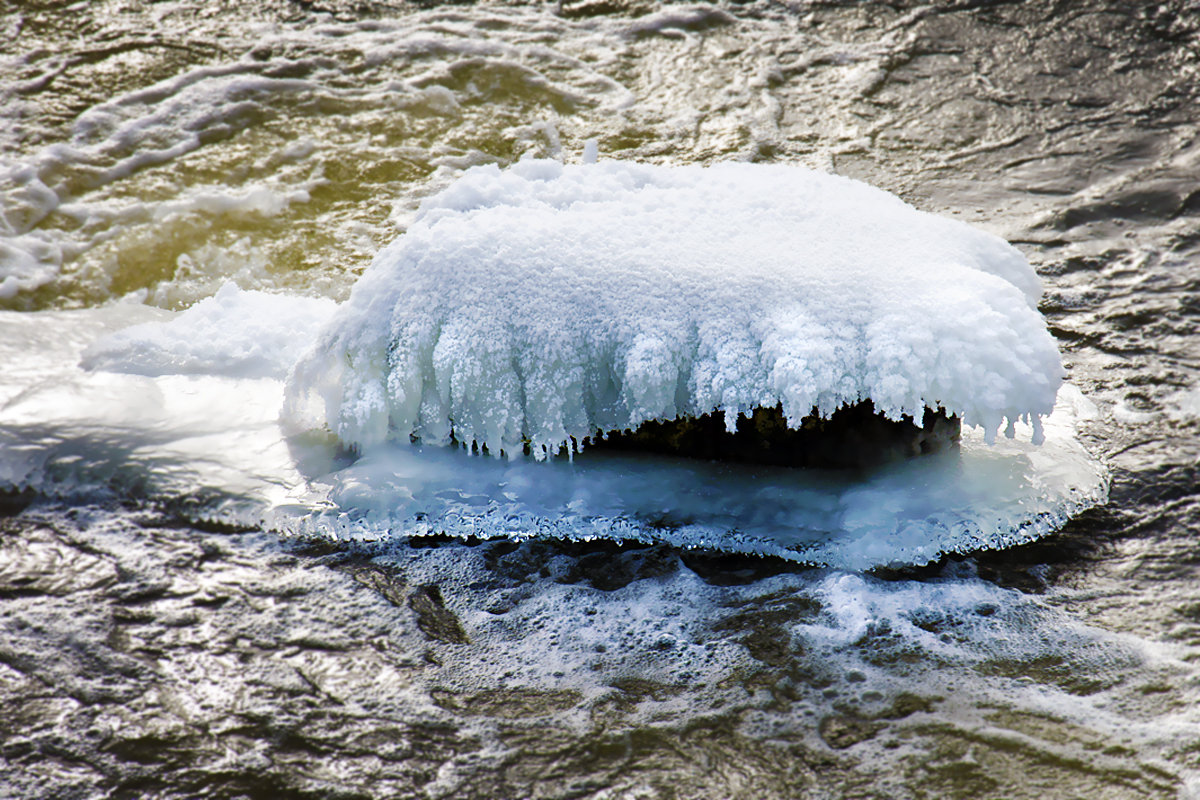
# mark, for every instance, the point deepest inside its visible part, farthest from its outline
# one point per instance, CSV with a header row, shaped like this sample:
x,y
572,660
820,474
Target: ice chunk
x,y
236,333
533,306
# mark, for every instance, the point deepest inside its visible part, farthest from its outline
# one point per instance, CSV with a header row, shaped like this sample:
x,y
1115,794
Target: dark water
x,y
140,657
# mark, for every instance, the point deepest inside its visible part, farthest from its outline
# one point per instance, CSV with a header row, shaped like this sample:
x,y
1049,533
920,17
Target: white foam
x,y
26,262
1184,405
545,302
965,649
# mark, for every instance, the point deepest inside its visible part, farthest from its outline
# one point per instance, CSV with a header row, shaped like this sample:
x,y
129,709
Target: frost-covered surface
x,y
236,333
544,302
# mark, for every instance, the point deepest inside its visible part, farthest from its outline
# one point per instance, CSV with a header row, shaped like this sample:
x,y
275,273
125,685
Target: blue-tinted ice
x,y
979,497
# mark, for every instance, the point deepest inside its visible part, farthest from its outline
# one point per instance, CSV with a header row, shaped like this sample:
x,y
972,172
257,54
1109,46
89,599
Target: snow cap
x,y
536,305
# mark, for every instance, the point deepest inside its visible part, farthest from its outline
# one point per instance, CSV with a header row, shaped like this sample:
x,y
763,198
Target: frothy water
x,y
149,157
266,150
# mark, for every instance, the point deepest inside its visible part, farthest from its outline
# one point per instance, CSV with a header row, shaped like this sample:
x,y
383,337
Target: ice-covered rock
x,y
531,307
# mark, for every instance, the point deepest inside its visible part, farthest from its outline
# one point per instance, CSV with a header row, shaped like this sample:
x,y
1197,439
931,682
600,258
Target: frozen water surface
x,y
149,421
982,497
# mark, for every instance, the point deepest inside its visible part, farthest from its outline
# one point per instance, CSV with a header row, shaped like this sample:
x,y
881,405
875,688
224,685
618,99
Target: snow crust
x,y
545,302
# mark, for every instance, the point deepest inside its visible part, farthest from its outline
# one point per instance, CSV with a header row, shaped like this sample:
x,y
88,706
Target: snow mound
x,y
537,305
241,334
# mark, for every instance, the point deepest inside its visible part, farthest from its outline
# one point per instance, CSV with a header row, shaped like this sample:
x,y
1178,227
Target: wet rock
x,y
433,618
841,731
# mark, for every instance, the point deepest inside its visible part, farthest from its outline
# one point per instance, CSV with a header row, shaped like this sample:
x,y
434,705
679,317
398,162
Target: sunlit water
x,y
195,603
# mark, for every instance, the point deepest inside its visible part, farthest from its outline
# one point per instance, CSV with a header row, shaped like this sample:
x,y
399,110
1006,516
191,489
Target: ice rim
x,y
910,513
529,309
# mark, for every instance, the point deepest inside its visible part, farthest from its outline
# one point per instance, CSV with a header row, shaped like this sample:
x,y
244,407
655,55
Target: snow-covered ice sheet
x,y
540,304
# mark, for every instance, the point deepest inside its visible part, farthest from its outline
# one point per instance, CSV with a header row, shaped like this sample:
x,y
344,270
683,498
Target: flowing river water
x,y
152,152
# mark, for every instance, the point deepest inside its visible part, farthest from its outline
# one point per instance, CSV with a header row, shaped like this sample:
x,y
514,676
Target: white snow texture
x,y
542,303
243,334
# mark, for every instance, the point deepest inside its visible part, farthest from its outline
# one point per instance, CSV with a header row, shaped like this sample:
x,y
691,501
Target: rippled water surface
x,y
151,152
